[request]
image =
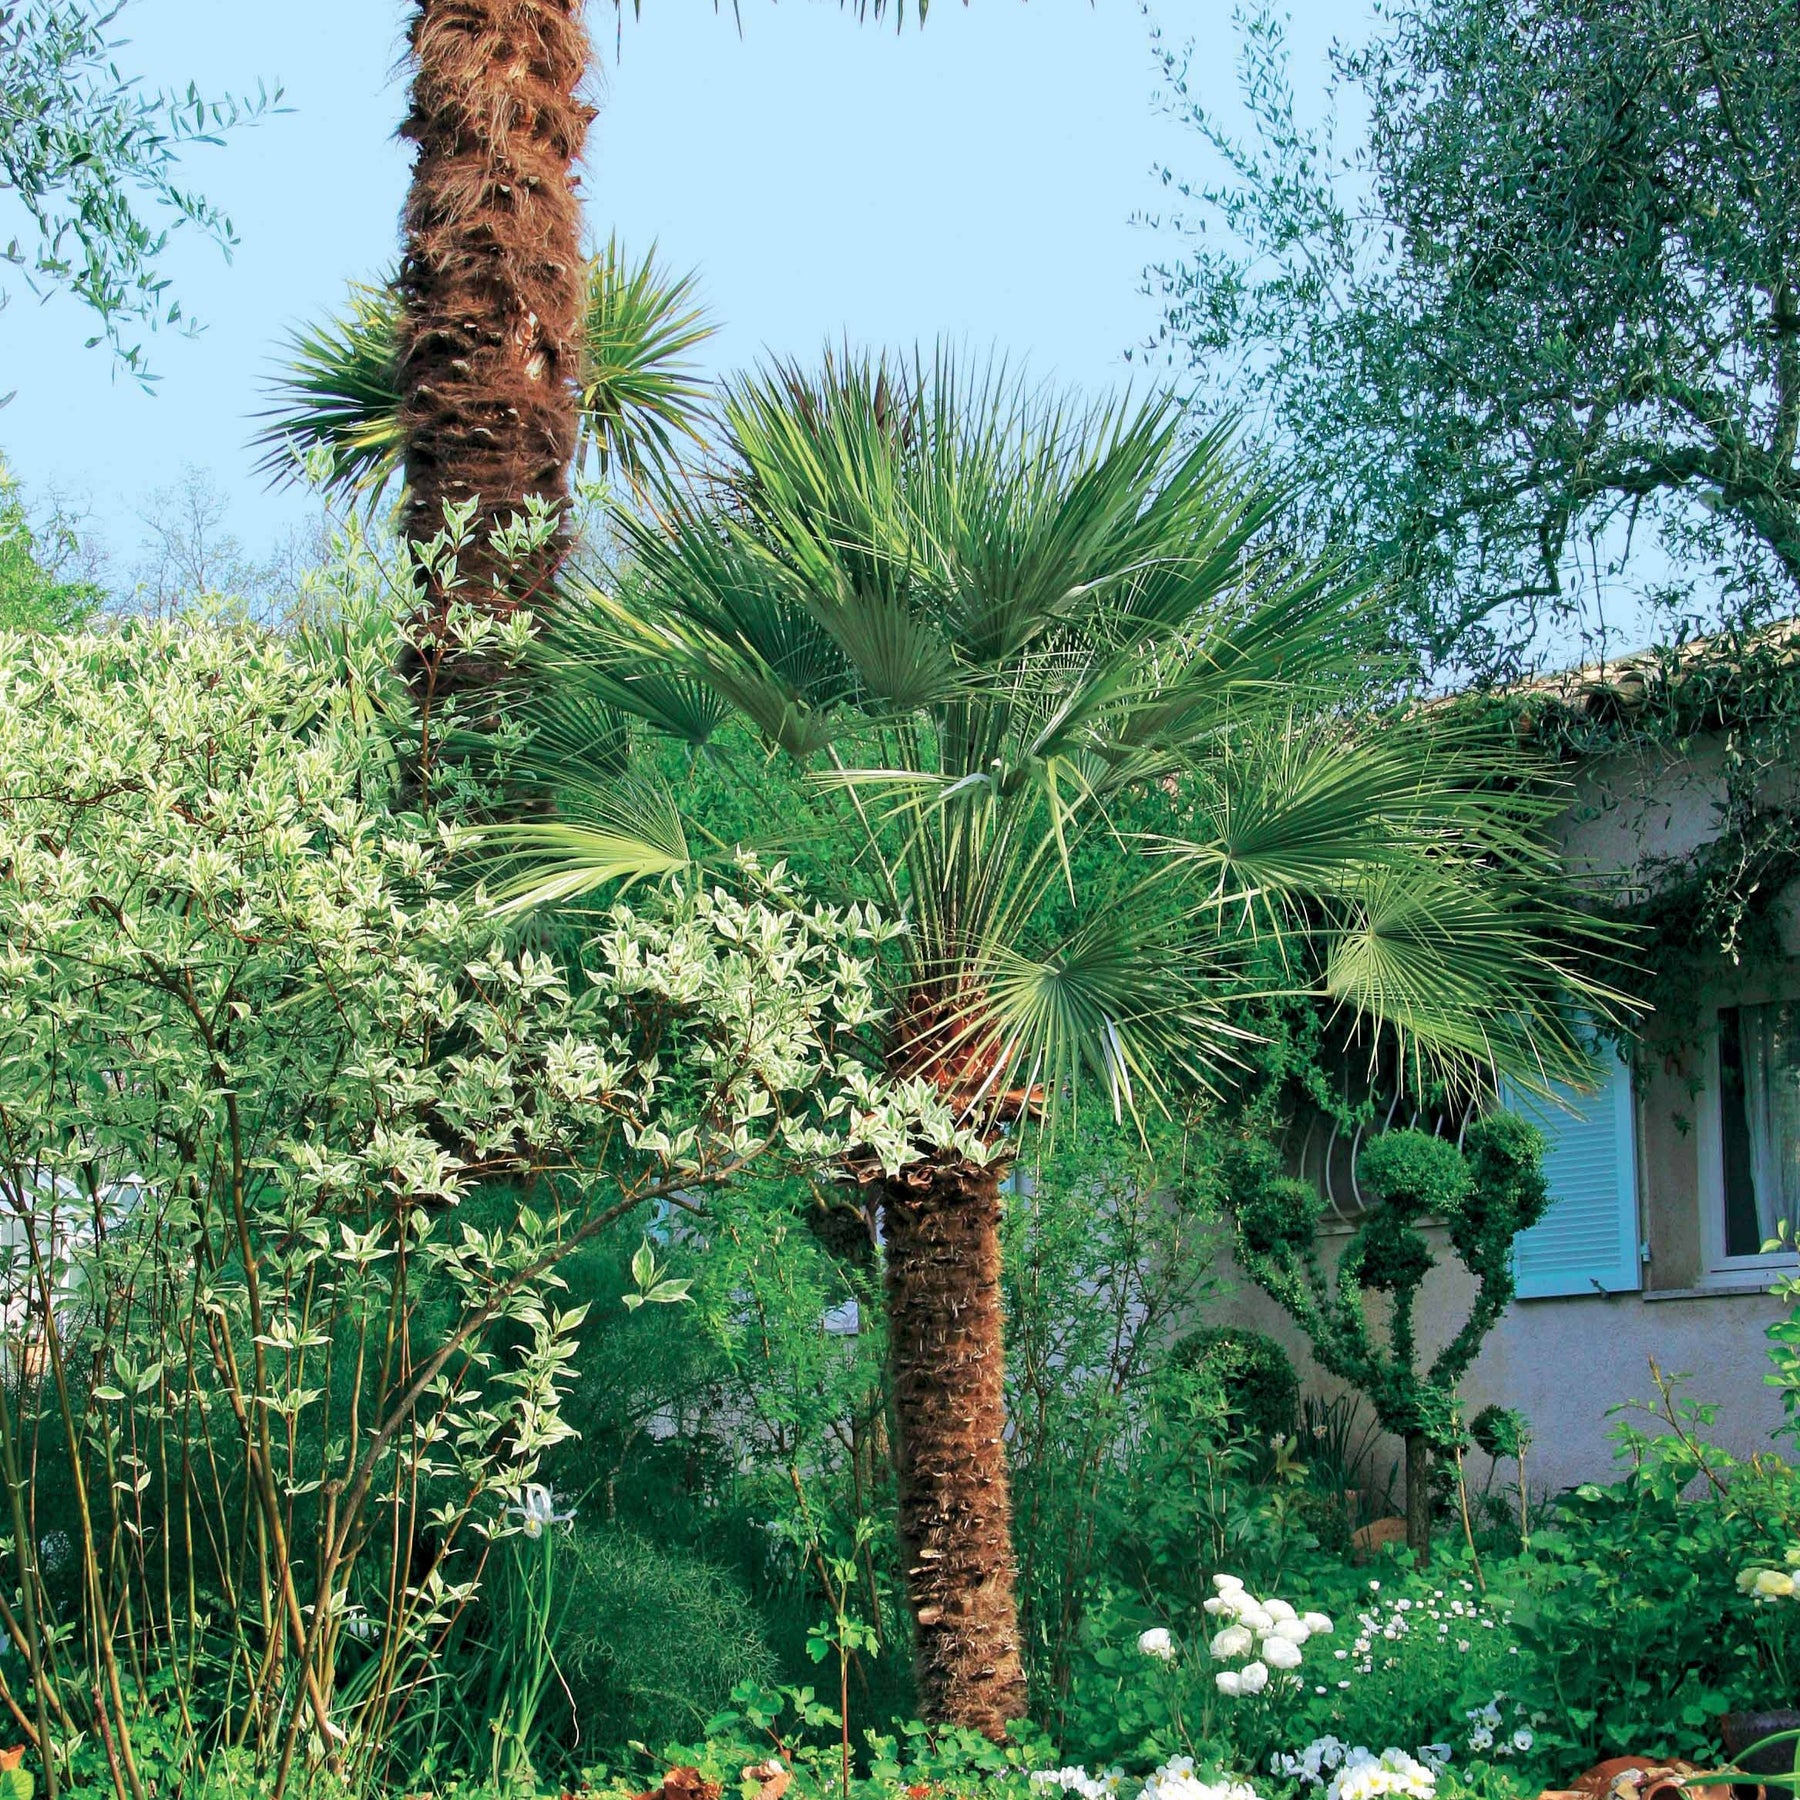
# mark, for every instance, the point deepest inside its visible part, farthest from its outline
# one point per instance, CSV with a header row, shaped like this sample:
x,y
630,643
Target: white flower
x,y
1296,1631
1069,1781
1481,1739
538,1510
1278,1610
1229,1683
1257,1617
1436,1756
1368,1777
1318,1623
1229,1584
1157,1642
1773,1584
1234,1640
1280,1652
1522,1740
1254,1677
1176,1781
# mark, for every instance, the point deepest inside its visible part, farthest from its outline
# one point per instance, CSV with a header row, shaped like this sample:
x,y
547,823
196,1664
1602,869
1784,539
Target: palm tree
x,y
638,396
489,342
491,271
1104,745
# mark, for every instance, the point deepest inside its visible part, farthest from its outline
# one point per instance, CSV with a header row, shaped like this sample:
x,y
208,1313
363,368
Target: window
x,y
1587,1242
1755,1153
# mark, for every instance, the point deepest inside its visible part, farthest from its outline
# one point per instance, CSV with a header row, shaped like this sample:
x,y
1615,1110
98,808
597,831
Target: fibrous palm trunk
x,y
492,282
941,1226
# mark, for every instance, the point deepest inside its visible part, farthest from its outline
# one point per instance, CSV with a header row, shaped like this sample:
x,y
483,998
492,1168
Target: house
x,y
1668,1178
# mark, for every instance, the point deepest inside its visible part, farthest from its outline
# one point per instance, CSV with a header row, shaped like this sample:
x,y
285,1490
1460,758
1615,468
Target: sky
x,y
983,179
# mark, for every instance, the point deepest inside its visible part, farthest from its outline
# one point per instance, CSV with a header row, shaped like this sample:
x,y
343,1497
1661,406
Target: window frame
x,y
1717,1269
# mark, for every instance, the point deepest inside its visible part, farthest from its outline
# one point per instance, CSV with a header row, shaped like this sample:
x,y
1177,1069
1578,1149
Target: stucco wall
x,y
1565,1363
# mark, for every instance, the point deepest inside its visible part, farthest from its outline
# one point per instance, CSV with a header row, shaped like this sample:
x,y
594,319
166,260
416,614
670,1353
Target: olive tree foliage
x,y
1360,1316
292,1142
90,167
1535,340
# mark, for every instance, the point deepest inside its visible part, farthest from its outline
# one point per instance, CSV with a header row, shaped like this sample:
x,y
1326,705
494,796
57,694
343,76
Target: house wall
x,y
1565,1363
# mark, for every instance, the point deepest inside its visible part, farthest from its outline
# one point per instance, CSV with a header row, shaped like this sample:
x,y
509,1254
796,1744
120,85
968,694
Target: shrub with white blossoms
x,y
295,1139
1172,1780
1262,1636
1407,1666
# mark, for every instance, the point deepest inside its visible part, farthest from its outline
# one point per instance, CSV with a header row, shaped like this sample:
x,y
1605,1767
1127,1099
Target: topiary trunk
x,y
492,281
1418,1495
941,1226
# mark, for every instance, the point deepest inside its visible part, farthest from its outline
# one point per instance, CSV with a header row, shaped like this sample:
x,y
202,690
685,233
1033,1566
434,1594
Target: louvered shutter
x,y
1588,1241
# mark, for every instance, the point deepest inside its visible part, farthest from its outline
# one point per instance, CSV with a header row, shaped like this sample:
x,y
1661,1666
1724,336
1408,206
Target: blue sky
x,y
977,179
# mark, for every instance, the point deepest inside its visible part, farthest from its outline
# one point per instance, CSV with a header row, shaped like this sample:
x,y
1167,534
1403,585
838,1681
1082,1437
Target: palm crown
x,y
1099,738
638,395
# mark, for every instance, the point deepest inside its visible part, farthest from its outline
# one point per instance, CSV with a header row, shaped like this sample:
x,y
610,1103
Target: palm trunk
x,y
1418,1496
492,279
942,1232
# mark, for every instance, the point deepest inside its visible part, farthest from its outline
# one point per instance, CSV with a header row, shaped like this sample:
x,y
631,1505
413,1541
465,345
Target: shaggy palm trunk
x,y
492,278
941,1226
1418,1496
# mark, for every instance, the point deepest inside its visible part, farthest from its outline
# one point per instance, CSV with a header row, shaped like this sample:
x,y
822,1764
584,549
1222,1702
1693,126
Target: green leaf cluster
x,y
1484,1193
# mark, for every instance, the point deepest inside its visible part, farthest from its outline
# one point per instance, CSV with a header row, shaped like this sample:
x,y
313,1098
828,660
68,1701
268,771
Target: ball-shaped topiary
x,y
1250,1373
1411,1173
1500,1432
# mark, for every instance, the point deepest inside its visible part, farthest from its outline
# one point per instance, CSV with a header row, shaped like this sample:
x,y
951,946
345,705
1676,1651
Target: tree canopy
x,y
92,158
1543,317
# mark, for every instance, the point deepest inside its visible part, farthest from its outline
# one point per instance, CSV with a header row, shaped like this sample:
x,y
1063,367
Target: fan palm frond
x,y
337,397
1016,641
639,392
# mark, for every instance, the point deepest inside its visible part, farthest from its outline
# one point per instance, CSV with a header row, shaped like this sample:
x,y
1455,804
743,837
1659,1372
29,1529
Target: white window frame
x,y
1717,1269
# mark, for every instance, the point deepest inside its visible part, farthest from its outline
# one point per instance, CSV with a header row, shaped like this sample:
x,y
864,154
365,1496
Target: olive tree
x,y
1542,319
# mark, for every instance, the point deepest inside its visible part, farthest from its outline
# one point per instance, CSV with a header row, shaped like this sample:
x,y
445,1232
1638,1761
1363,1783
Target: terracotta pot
x,y
1378,1535
1640,1778
1740,1730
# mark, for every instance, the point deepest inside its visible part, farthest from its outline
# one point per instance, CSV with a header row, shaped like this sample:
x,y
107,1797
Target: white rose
x,y
1230,1682
1234,1640
1157,1642
1296,1631
1229,1584
1278,1609
1258,1618
1280,1652
1317,1623
1254,1677
1773,1584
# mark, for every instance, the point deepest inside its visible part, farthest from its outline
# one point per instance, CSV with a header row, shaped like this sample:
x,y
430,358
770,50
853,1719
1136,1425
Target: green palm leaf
x,y
1085,719
337,398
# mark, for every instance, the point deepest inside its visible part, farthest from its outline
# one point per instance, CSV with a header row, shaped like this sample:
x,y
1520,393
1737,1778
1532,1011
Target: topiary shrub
x,y
1483,1194
1254,1378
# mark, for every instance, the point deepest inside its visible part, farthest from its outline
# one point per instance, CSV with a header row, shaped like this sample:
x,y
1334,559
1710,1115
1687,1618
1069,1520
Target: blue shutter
x,y
1588,1241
